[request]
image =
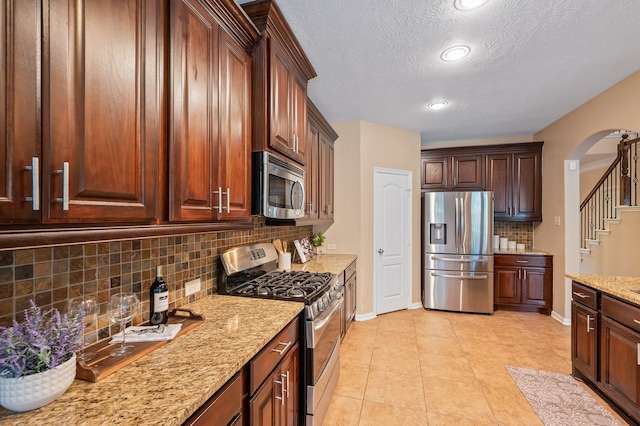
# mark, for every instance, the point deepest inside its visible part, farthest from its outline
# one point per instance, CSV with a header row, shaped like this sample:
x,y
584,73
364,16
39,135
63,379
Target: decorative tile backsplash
x,y
520,232
51,276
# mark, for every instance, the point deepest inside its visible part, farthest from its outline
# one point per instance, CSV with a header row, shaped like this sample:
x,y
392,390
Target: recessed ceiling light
x,y
454,53
438,104
468,4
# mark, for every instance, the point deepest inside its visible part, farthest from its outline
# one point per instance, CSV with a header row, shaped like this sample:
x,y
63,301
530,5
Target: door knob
x,y
380,251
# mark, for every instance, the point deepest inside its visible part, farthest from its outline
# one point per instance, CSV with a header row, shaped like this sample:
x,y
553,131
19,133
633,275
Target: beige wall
x,y
567,139
477,142
360,148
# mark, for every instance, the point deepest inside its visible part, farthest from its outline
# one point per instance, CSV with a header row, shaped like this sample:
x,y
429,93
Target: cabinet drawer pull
x,y
283,350
636,321
638,350
281,397
285,379
228,193
35,183
65,185
581,295
589,329
522,261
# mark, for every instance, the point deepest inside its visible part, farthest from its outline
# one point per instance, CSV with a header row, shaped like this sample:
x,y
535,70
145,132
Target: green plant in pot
x,y
37,358
318,240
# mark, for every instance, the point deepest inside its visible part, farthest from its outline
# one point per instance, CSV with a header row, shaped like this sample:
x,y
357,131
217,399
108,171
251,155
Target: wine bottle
x,y
159,300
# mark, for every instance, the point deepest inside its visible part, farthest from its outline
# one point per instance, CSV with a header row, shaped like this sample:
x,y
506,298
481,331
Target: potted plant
x,y
317,241
37,358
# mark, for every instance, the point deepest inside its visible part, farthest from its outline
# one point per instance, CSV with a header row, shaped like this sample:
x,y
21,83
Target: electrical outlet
x,y
331,246
192,287
556,220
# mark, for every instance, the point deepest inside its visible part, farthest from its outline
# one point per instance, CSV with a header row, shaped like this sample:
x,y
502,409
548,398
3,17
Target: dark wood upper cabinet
x,y
20,120
281,71
512,171
319,170
102,107
210,134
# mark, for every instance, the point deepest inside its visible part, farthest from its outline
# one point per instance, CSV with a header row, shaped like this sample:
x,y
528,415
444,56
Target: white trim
x,y
564,321
416,305
365,317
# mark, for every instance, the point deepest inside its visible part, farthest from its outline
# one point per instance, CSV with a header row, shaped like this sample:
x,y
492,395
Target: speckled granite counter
x,y
334,263
168,385
526,252
622,287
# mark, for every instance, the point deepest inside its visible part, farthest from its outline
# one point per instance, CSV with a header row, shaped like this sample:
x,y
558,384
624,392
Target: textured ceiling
x,y
531,61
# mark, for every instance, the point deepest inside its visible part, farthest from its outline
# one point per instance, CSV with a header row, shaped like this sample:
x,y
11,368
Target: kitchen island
x,y
605,338
171,383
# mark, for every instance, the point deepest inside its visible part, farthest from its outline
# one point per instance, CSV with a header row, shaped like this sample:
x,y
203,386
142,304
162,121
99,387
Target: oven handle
x,y
327,316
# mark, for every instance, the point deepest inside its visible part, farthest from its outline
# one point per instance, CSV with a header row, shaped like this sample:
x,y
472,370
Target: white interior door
x,y
391,239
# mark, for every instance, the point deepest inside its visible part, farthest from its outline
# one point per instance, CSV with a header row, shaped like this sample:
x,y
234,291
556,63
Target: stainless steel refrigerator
x,y
457,251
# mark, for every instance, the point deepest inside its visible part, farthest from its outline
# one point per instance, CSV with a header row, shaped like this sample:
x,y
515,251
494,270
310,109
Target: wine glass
x,y
85,307
122,308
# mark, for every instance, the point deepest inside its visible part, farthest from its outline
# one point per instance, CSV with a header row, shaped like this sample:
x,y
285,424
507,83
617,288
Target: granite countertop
x,y
169,384
334,263
625,288
526,252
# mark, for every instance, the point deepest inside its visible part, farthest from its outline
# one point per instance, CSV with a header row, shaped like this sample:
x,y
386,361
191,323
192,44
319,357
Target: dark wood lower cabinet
x,y
225,407
584,340
605,347
523,283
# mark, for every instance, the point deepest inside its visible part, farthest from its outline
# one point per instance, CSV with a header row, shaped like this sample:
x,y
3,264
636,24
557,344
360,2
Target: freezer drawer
x,y
457,291
457,262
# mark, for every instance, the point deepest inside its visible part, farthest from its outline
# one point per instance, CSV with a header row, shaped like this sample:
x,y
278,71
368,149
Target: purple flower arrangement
x,y
41,342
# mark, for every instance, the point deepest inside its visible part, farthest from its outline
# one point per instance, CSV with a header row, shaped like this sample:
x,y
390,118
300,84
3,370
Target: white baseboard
x,y
365,317
562,320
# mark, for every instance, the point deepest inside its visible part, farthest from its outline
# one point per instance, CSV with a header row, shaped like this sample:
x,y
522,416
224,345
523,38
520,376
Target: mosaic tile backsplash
x,y
51,276
520,232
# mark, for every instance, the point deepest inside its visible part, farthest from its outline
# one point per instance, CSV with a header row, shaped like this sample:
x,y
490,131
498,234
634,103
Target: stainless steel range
x,y
251,271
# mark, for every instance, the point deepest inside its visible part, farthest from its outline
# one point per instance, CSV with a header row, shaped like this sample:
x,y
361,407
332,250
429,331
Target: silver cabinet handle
x,y
638,350
636,321
466,277
293,142
285,379
35,183
522,261
228,193
581,295
219,192
380,251
525,274
589,329
65,185
281,397
283,350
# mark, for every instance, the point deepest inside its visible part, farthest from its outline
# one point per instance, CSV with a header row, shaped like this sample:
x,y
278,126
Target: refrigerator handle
x,y
457,214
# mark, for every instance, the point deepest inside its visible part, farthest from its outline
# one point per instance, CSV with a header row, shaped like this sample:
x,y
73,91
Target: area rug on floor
x,y
559,400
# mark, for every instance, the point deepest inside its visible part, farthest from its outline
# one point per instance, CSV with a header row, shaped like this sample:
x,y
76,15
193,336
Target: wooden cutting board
x,y
104,364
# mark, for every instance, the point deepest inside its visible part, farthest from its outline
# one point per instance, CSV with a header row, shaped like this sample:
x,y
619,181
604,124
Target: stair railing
x,y
618,186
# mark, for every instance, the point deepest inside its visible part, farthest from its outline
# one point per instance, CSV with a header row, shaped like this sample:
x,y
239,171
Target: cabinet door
x,y
584,340
298,118
467,171
280,103
506,285
326,170
619,369
103,82
527,191
193,118
435,172
499,181
223,408
536,285
20,123
290,377
264,408
311,177
234,159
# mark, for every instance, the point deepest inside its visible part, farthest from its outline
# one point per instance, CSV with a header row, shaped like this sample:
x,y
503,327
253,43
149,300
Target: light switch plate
x,y
192,287
331,246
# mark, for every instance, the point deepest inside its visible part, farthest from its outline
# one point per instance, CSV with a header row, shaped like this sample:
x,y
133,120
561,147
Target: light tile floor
x,y
419,367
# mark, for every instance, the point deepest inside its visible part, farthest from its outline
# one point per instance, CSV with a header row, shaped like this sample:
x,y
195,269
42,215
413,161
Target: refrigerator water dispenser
x,y
438,233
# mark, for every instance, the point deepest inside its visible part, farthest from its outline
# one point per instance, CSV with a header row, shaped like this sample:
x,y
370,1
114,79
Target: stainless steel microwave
x,y
278,187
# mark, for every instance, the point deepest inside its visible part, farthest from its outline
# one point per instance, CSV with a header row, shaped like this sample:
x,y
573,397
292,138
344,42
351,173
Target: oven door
x,y
323,348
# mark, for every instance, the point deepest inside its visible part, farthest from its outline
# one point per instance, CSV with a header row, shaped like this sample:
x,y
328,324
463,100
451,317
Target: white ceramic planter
x,y
34,391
